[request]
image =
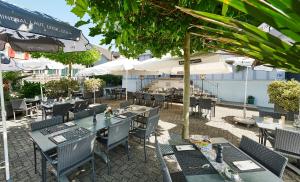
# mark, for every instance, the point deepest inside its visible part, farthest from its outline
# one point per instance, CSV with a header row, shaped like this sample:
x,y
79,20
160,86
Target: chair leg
x,y
108,164
93,170
145,150
34,153
127,150
14,115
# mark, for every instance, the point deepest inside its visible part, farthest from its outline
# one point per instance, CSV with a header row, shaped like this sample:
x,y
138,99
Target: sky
x,y
57,9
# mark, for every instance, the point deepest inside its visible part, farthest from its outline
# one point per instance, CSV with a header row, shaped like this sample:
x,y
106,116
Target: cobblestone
x,y
21,152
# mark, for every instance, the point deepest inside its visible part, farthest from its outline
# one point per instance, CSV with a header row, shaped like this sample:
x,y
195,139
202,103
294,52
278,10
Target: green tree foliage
x,y
60,88
136,26
93,84
285,94
30,89
69,58
111,80
244,38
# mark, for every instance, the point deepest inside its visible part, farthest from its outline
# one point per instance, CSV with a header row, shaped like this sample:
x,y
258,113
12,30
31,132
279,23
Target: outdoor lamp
x,y
202,77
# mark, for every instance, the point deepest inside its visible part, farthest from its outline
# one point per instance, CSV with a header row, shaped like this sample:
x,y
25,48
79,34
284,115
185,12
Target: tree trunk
x,y
186,93
69,77
70,70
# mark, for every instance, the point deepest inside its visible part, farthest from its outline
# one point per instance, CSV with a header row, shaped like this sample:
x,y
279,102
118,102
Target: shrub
x,y
60,88
30,89
111,80
93,84
285,94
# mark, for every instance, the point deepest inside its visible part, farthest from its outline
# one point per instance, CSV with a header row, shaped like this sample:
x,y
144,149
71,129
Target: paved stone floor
x,y
21,152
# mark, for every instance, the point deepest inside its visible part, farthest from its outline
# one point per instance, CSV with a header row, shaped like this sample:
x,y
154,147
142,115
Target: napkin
x,y
246,165
184,147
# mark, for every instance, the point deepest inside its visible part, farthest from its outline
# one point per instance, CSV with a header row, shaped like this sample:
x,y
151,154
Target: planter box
x,y
9,110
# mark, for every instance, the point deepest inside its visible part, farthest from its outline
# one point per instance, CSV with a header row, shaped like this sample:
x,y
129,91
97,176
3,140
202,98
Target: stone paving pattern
x,y
21,150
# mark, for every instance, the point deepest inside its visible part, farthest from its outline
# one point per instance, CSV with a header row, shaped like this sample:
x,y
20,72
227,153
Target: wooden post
x,y
186,93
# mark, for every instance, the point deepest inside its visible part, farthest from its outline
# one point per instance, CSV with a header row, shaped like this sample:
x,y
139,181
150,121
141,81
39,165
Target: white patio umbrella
x,y
39,64
202,64
121,66
25,31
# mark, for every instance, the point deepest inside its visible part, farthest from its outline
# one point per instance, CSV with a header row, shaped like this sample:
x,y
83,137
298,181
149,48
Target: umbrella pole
x,y
245,98
126,82
3,114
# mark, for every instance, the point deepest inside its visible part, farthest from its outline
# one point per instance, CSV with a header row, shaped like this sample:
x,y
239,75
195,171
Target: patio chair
x,y
139,98
148,99
62,110
19,105
167,176
287,144
205,107
124,104
40,125
99,108
143,119
108,92
145,134
123,92
270,159
83,114
73,154
131,97
193,104
117,135
79,106
159,100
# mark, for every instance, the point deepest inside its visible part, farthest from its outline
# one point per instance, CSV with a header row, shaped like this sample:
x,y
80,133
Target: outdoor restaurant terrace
x,y
195,113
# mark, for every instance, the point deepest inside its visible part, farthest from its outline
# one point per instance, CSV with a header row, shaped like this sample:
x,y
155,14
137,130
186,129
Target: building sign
x,y
193,61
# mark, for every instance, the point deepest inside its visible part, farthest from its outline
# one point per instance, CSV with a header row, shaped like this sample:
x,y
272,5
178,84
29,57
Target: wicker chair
x,y
62,110
79,106
164,168
73,154
148,99
124,104
139,98
83,114
99,108
167,176
19,105
40,125
131,97
205,107
287,143
145,134
193,104
159,100
143,119
269,159
117,135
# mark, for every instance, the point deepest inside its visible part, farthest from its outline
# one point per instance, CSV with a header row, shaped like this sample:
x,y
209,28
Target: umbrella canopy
x,y
28,30
33,31
38,64
202,64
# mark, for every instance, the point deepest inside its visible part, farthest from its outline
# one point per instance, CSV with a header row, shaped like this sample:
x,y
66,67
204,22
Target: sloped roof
x,y
106,53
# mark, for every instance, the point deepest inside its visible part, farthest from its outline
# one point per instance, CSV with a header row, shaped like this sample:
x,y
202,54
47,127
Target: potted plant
x,y
250,99
285,96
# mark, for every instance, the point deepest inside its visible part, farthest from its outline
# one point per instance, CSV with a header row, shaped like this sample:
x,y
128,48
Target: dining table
x,y
44,138
198,165
271,124
46,106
